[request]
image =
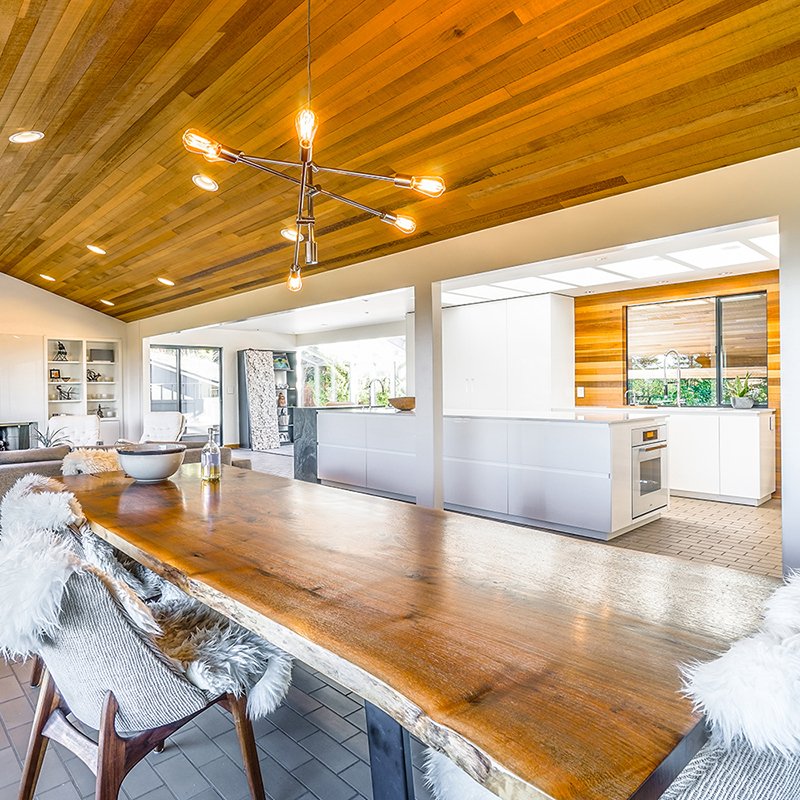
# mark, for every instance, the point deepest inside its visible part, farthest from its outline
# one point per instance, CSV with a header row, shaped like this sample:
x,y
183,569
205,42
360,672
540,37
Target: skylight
x,y
730,254
534,285
587,276
487,292
651,267
771,244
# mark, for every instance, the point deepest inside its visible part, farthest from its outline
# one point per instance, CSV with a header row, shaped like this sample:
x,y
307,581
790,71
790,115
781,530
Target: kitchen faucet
x,y
678,400
634,401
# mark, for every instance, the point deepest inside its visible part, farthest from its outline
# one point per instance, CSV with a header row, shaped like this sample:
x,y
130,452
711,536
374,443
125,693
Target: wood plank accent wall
x,y
600,336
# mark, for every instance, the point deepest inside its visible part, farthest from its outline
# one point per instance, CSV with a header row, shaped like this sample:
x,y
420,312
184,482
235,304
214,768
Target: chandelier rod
x,y
308,51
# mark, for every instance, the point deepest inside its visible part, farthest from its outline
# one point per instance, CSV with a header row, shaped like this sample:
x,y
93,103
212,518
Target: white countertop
x,y
667,410
596,416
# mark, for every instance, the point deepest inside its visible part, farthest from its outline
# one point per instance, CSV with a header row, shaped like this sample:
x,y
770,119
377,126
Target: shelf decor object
x,y
306,123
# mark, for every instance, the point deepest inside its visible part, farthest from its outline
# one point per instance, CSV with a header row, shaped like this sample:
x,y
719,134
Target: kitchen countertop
x,y
666,410
590,415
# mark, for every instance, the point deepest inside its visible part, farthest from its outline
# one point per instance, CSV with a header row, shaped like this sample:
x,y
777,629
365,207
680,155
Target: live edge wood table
x,y
545,666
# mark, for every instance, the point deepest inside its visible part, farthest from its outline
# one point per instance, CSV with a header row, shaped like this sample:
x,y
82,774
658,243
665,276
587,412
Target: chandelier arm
x,y
353,173
355,204
276,162
300,202
275,172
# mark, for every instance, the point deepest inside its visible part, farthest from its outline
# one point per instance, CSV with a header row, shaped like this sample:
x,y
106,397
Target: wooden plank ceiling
x,y
523,107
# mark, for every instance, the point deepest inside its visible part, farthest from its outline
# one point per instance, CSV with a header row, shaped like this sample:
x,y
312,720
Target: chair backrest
x,y
80,430
96,649
163,426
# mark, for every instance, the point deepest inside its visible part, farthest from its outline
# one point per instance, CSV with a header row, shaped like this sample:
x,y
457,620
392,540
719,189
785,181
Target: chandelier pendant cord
x,y
306,123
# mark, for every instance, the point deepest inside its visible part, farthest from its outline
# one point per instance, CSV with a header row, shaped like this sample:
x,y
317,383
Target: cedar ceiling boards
x,y
524,108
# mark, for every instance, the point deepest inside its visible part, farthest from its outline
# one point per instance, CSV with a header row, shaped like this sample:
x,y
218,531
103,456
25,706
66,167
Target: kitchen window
x,y
716,341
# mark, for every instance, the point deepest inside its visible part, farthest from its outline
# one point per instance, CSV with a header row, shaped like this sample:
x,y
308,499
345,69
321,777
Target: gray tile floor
x,y
312,748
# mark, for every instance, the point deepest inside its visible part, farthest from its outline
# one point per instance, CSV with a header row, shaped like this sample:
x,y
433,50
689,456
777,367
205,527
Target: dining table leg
x,y
389,756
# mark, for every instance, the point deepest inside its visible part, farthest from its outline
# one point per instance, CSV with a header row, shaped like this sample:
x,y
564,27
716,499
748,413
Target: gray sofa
x,y
47,461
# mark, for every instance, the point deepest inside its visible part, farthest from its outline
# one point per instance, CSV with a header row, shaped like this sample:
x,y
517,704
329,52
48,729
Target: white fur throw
x,y
90,462
34,568
448,782
39,502
41,547
751,693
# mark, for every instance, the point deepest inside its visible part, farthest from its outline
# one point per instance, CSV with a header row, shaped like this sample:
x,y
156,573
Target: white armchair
x,y
163,426
79,430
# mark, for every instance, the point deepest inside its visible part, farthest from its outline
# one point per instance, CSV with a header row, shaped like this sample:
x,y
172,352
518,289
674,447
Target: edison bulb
x,y
429,185
196,142
295,282
404,224
306,123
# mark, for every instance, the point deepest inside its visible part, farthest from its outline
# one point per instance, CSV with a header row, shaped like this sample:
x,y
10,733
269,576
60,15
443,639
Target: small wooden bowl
x,y
403,403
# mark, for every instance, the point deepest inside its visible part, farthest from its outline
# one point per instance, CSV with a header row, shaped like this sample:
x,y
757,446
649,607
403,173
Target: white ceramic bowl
x,y
150,463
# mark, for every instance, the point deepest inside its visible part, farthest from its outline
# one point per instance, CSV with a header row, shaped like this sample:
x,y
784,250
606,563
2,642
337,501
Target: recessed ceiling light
x,y
651,267
46,277
205,183
713,256
166,281
291,234
96,249
106,302
771,243
26,137
533,285
587,276
487,293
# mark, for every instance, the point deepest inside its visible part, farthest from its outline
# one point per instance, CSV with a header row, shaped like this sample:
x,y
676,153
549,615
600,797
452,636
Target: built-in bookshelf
x,y
285,364
84,376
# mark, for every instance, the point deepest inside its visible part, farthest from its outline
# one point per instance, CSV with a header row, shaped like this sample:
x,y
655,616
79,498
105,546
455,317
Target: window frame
x,y
718,342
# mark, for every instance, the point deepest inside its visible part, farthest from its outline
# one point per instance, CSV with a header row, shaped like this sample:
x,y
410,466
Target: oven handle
x,y
655,447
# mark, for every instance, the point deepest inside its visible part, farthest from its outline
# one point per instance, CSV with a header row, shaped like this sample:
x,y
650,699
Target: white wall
x,y
34,314
230,342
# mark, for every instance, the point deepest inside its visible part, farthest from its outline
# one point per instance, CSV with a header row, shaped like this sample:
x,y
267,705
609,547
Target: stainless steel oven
x,y
649,469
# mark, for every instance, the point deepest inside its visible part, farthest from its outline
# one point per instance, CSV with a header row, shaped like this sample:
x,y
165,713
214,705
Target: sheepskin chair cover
x,y
86,461
211,652
448,782
219,656
39,502
751,693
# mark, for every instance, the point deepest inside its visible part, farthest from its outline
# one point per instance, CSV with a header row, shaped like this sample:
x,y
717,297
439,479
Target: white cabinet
x,y
509,356
694,453
375,451
475,357
475,463
747,456
541,352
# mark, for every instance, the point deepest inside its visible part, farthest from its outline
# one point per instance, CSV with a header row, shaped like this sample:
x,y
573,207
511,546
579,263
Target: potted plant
x,y
741,393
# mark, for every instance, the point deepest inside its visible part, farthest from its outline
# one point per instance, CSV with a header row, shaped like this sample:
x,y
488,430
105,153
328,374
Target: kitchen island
x,y
570,471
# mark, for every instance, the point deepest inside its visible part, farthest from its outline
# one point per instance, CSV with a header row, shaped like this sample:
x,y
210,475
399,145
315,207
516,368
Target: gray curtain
x,y
261,399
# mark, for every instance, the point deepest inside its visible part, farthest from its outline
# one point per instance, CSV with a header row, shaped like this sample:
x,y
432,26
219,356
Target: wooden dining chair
x,y
132,671
109,678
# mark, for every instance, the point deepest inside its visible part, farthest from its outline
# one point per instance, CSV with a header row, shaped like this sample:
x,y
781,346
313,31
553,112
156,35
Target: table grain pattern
x,y
545,665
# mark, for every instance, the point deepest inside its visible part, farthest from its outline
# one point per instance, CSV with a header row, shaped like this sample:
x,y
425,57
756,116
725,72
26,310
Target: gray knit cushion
x,y
738,773
96,649
34,454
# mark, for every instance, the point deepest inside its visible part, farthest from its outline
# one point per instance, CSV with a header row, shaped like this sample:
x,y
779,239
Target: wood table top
x,y
546,666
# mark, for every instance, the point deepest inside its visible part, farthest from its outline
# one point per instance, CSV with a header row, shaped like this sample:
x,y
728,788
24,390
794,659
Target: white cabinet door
x,y
529,359
391,472
347,465
475,484
739,456
694,453
348,429
474,357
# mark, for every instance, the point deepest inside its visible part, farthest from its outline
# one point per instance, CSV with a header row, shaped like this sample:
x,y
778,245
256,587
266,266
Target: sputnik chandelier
x,y
306,123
